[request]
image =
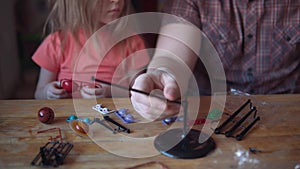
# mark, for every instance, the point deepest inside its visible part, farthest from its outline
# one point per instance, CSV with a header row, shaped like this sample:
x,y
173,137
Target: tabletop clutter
x,y
53,153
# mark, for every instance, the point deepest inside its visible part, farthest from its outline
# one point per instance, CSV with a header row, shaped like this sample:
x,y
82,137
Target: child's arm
x,y
48,87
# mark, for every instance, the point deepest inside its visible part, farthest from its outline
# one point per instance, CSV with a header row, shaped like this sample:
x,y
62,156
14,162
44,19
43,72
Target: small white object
x,y
102,110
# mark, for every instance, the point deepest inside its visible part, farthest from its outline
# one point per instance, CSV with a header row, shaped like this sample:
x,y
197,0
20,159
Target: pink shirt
x,y
81,64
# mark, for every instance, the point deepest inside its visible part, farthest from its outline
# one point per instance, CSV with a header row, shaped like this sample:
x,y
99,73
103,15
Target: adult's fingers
x,y
171,89
157,109
153,108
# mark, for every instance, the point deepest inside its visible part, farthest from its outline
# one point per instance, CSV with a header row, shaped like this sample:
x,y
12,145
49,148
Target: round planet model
x,y
46,115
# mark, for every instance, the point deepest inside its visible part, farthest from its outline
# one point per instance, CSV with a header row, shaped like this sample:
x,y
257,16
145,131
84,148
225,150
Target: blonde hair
x,y
71,16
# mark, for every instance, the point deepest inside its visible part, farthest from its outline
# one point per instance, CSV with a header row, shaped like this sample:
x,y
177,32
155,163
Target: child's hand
x,y
88,92
54,91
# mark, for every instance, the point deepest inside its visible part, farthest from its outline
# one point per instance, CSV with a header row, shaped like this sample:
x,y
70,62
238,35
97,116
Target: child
x,y
61,59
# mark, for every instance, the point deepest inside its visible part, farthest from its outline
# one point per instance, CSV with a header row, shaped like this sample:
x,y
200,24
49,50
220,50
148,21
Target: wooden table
x,y
277,135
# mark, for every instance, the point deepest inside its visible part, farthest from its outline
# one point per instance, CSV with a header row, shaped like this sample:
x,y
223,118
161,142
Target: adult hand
x,y
54,91
154,82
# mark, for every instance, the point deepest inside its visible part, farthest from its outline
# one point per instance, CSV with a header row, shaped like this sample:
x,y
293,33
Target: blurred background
x,y
21,33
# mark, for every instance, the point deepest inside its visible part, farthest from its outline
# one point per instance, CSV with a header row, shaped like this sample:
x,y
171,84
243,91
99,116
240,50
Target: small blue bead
x,y
168,120
72,117
129,117
122,111
87,120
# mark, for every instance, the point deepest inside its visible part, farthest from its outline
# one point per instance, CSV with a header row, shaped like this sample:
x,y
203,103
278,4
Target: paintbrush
x,y
135,90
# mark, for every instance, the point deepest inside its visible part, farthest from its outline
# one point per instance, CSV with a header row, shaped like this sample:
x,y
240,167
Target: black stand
x,y
186,148
181,143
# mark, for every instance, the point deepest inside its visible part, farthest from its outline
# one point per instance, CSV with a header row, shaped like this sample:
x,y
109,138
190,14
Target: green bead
x,y
215,114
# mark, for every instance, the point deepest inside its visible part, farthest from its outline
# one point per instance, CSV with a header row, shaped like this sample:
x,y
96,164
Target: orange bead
x,y
79,127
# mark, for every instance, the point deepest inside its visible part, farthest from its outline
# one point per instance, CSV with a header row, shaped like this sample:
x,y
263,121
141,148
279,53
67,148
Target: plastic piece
x,y
102,110
238,123
124,116
53,138
169,120
72,117
120,127
214,115
52,154
81,128
97,120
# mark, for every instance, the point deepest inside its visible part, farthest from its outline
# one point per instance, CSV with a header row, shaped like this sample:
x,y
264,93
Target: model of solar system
x,y
186,141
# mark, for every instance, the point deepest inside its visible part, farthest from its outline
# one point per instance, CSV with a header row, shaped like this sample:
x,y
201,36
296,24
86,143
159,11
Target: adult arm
x,y
168,73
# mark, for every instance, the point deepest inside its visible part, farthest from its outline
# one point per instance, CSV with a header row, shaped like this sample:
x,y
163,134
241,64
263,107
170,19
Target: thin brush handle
x,y
135,90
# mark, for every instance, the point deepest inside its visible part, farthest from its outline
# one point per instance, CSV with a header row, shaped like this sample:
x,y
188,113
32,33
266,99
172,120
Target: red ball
x,y
67,85
46,115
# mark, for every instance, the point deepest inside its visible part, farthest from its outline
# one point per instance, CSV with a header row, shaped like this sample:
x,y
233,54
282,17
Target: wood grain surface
x,y
277,136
